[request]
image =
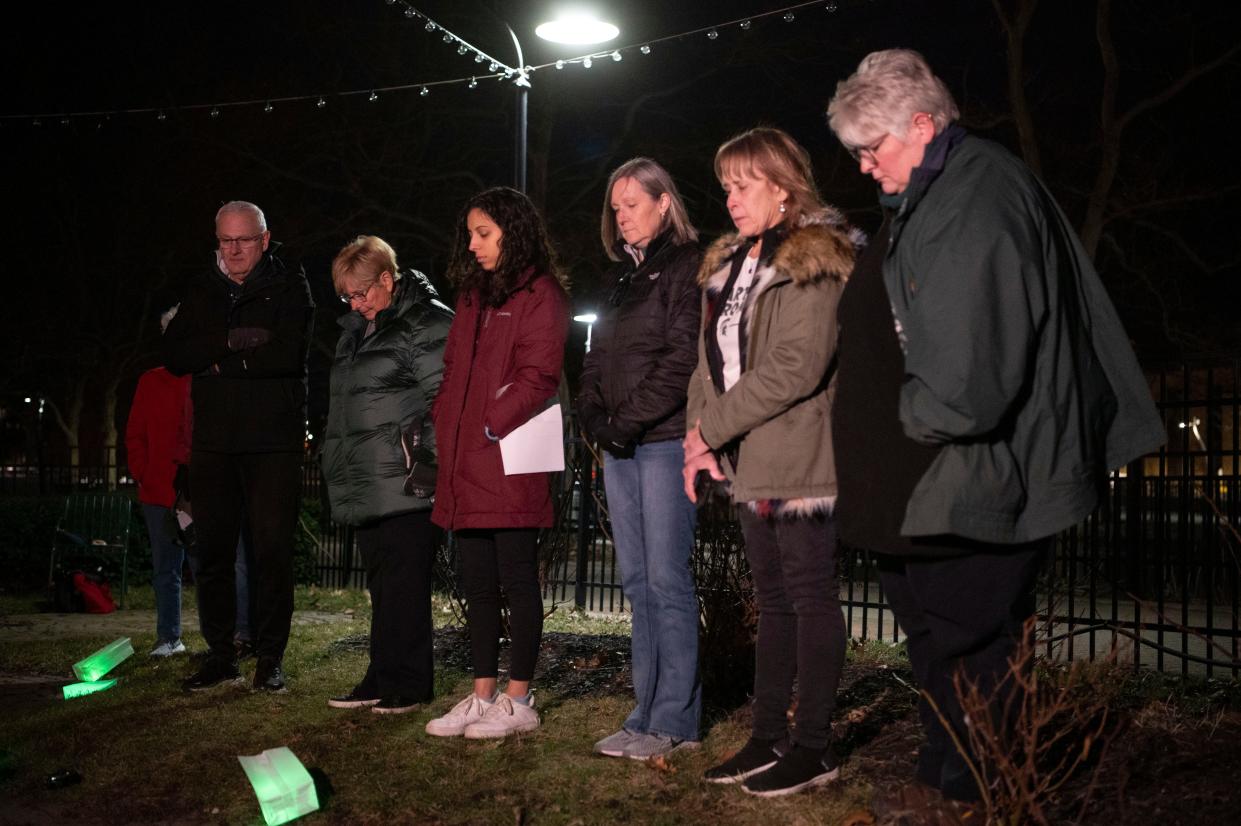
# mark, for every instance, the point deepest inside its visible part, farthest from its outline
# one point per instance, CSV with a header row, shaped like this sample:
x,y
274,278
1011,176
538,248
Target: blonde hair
x,y
882,96
655,181
771,153
362,261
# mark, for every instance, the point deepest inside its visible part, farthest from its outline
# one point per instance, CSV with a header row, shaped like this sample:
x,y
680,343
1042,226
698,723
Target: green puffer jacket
x,y
1015,359
772,427
380,385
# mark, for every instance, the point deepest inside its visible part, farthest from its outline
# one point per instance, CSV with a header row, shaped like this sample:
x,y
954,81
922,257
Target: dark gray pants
x,y
801,632
960,613
398,553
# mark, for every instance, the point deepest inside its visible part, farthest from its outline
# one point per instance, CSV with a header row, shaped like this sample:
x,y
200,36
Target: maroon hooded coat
x,y
518,346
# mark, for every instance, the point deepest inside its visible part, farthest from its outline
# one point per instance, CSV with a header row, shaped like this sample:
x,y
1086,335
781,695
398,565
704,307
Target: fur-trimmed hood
x,y
822,245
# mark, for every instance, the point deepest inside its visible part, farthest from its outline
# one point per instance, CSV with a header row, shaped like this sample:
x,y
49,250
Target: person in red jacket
x,y
501,366
155,444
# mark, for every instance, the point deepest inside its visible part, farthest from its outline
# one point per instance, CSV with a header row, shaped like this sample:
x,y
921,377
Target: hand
x,y
689,474
614,441
247,338
694,445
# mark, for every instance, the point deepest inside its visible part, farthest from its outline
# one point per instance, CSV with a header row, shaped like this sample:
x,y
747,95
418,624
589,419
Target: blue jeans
x,y
653,531
167,557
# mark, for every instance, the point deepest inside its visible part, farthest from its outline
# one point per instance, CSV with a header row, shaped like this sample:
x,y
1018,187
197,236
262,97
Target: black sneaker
x,y
800,769
755,756
395,705
213,672
269,676
358,698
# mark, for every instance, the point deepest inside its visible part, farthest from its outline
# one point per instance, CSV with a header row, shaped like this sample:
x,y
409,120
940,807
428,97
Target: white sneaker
x,y
167,649
502,719
453,724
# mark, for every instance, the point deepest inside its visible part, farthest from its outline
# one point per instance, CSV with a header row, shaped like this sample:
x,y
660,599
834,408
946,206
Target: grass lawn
x,y
149,753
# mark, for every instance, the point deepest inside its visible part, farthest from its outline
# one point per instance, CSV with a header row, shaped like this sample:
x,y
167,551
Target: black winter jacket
x,y
644,346
252,400
380,386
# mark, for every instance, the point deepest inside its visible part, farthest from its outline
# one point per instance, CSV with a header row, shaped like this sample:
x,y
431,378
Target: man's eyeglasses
x,y
243,241
867,152
357,295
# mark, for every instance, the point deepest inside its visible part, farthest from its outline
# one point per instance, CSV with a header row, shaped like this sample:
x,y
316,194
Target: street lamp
x,y
577,29
588,319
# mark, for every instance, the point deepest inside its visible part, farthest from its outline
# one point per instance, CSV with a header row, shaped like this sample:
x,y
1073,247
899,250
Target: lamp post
x,y
589,320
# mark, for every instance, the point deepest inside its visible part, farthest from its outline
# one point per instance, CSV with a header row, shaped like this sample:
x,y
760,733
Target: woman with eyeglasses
x,y
760,413
501,368
632,403
379,461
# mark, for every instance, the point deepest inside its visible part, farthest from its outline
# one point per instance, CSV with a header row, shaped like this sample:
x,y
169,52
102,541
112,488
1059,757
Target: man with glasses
x,y
243,332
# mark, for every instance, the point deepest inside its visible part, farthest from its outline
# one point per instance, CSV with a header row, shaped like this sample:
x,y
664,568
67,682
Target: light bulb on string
x,y
831,7
430,26
425,91
462,49
215,111
373,96
712,35
410,13
788,17
645,49
320,103
492,66
587,62
616,55
267,107
65,121
559,64
745,25
36,122
160,116
473,83
478,57
447,37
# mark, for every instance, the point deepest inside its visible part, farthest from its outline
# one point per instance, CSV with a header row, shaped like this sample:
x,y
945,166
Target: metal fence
x,y
1153,574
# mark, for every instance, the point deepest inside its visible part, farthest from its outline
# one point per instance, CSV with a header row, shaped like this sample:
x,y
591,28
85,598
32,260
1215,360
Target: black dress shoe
x,y
213,672
269,676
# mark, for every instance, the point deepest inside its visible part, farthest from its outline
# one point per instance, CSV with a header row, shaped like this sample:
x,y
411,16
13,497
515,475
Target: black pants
x,y
257,493
801,632
960,613
398,553
492,560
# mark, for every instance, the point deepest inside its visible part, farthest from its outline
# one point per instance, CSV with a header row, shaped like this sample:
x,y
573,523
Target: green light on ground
x,y
82,689
104,660
281,783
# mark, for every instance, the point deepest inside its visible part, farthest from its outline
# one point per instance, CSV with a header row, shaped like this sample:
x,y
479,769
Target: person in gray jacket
x,y
379,461
986,388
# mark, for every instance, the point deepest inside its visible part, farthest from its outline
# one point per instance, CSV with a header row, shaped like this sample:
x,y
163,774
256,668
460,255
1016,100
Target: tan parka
x,y
771,429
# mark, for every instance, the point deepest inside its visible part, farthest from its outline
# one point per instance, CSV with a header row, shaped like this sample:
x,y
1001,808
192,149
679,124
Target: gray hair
x,y
166,317
244,207
655,181
882,96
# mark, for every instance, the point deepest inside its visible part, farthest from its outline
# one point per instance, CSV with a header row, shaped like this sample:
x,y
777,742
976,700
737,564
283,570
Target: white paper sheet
x,y
537,446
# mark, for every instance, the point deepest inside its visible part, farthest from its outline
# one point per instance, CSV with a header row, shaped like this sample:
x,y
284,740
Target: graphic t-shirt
x,y
728,330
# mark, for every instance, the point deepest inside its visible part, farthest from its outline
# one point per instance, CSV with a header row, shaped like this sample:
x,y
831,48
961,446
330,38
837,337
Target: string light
x,y
496,68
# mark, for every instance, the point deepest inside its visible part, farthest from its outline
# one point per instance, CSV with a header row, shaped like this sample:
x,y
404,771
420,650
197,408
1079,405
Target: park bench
x,y
93,531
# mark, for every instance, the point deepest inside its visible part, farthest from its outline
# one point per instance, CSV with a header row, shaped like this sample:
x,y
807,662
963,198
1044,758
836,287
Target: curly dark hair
x,y
524,244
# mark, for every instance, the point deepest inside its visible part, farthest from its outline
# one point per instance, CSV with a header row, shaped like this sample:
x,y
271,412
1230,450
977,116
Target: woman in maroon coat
x,y
501,366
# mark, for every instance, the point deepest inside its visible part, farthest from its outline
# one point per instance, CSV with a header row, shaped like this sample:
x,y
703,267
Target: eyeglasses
x,y
243,241
357,295
867,152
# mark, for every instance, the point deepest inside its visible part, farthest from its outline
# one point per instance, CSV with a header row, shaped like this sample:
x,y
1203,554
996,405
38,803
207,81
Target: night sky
x,y
109,213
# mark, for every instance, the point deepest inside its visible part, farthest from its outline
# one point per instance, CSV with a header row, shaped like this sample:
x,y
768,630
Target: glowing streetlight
x,y
577,29
588,319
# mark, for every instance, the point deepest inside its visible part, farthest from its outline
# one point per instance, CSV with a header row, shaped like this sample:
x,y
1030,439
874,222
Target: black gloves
x,y
247,338
614,440
420,466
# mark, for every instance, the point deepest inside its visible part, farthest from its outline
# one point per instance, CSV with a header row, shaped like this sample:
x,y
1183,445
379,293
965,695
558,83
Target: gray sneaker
x,y
614,745
646,746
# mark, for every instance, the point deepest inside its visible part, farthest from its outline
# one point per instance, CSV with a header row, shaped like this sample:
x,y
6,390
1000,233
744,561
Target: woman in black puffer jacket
x,y
378,460
632,402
